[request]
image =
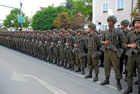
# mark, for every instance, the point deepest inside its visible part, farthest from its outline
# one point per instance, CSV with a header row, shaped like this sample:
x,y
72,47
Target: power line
x,y
8,6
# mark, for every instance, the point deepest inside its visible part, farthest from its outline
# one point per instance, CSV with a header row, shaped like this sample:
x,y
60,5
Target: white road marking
x,y
21,77
18,77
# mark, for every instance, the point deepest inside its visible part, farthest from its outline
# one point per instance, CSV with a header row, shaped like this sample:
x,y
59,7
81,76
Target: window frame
x,y
105,7
121,6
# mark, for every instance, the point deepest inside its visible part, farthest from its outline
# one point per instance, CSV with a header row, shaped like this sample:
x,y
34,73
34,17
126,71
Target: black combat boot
x,y
105,82
69,67
83,71
51,60
78,70
61,63
119,87
139,92
72,66
89,75
65,65
95,78
55,61
136,83
125,79
128,90
58,62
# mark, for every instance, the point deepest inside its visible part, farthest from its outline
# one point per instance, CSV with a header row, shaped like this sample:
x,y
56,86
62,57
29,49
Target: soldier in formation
x,y
77,49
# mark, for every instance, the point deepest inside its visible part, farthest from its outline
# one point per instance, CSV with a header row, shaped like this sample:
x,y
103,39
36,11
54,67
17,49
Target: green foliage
x,y
12,19
43,20
84,7
70,5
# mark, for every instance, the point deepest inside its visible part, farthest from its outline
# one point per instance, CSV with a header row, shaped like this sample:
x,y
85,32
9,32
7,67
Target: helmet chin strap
x,y
137,27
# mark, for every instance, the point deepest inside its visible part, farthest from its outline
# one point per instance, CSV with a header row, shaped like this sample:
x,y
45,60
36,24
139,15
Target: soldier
x,y
69,49
62,41
55,42
111,43
82,53
124,31
75,50
132,41
93,48
131,27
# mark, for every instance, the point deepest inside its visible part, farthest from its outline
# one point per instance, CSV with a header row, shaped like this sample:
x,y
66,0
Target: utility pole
x,y
20,15
132,9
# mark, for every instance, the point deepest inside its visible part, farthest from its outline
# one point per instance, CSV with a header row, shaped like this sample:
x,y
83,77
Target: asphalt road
x,y
23,74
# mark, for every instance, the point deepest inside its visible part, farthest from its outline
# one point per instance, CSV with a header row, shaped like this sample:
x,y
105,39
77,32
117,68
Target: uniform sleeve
x,y
95,42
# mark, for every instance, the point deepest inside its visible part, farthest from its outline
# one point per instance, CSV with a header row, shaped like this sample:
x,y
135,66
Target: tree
x,y
136,11
12,19
70,5
74,21
43,20
77,21
84,7
62,21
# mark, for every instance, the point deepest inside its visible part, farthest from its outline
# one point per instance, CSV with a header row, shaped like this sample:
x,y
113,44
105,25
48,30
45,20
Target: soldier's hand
x,y
51,43
66,44
75,45
59,42
106,42
134,45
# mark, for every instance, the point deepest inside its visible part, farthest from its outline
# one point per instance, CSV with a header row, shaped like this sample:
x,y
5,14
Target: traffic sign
x,y
21,19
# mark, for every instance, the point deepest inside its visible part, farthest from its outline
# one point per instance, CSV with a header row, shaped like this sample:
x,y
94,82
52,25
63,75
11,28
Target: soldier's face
x,y
122,26
78,33
45,42
131,27
137,24
110,23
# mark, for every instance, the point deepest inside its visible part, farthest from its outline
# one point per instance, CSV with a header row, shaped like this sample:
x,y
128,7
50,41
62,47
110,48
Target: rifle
x,y
131,51
96,54
111,46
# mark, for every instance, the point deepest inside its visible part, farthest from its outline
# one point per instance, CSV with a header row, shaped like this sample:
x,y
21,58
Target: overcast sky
x,y
29,6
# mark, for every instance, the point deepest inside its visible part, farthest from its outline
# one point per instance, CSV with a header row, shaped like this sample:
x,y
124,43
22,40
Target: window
x,y
120,5
105,7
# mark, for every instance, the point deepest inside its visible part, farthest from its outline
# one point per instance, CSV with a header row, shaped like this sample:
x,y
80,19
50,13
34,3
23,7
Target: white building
x,y
104,8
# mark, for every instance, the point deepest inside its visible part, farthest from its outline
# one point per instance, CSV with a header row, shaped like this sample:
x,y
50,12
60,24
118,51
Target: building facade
x,y
104,8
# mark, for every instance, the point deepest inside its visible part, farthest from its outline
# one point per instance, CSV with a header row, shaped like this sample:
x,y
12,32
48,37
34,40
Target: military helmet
x,y
62,30
78,30
131,24
69,30
112,18
125,22
92,26
137,18
55,30
73,33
